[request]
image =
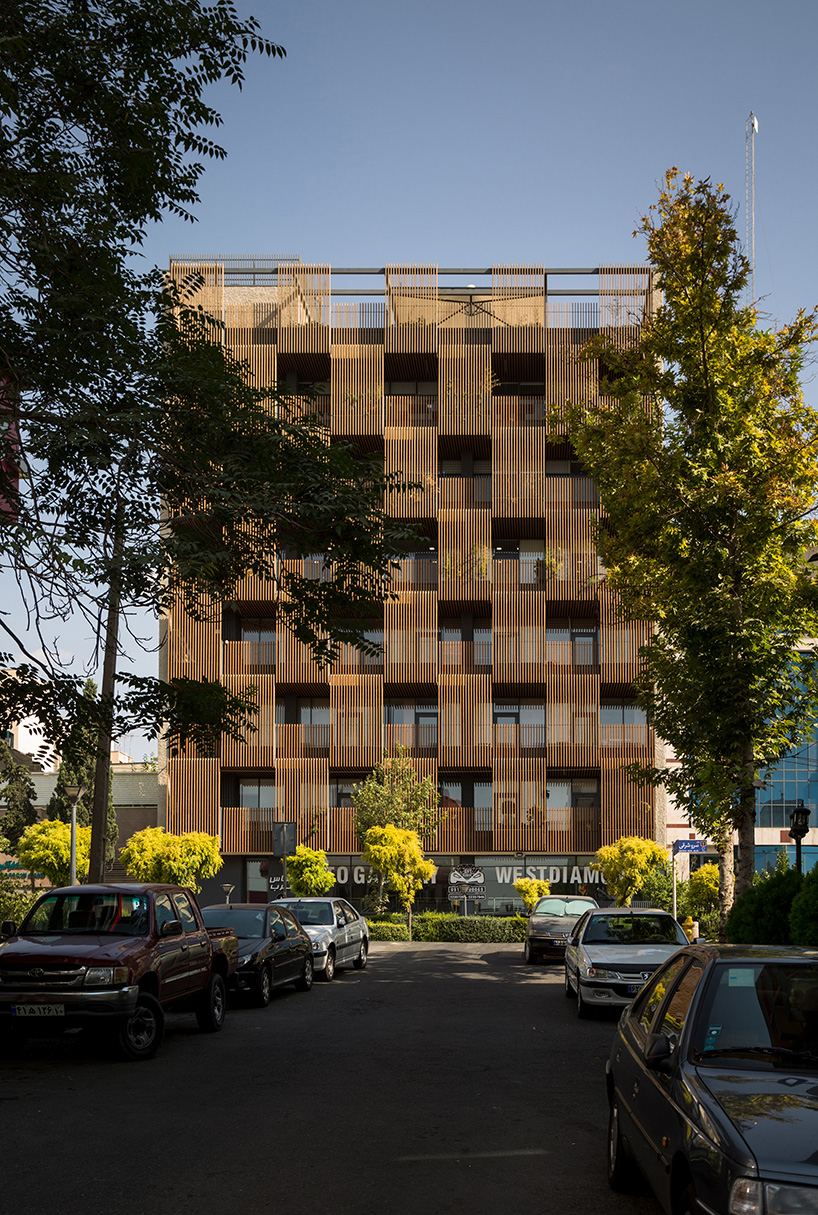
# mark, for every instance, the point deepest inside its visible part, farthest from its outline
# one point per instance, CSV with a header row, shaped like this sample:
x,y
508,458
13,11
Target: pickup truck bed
x,y
113,958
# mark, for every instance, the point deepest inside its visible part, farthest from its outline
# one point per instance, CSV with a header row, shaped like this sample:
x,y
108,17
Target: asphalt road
x,y
440,1079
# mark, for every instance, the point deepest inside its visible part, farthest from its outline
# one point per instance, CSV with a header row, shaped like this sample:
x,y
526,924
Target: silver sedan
x,y
613,952
339,935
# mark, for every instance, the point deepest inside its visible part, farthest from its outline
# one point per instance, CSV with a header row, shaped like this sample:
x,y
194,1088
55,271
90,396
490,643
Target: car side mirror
x,y
171,928
574,941
8,928
658,1052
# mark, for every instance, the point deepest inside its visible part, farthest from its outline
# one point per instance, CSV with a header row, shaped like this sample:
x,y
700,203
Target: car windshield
x,y
123,915
633,930
759,1014
244,921
556,906
312,913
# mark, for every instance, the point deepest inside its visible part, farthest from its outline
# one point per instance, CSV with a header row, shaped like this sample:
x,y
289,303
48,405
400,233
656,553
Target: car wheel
x,y
531,956
264,986
141,1035
622,1174
360,961
569,991
305,982
328,973
583,1009
687,1204
211,1008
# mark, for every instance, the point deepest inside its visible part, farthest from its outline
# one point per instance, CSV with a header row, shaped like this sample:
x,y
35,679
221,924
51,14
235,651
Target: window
x,y
675,1013
257,792
277,930
654,994
164,912
185,912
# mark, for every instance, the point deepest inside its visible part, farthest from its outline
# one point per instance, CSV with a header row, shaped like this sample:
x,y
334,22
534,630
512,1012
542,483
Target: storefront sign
x,y
467,882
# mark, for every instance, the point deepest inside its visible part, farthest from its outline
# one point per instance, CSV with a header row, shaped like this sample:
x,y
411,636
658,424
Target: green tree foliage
x,y
626,864
153,856
307,872
120,396
17,792
703,891
15,898
761,915
78,767
394,795
46,848
531,890
705,457
657,889
397,855
803,922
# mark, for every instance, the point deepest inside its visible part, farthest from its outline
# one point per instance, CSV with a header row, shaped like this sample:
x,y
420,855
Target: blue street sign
x,y
689,846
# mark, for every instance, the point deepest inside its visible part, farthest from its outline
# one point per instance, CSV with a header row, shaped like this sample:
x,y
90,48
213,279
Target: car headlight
x,y
319,946
597,972
745,1197
789,1199
247,960
105,976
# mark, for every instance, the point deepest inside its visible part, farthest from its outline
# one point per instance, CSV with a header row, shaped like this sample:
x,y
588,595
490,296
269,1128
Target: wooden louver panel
x,y
465,555
413,454
518,309
410,634
304,309
357,369
411,309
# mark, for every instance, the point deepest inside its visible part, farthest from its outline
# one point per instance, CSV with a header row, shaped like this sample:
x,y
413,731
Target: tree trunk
x,y
102,772
746,825
725,847
409,913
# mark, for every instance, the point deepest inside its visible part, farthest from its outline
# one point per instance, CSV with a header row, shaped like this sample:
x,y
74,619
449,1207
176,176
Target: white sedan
x,y
339,935
613,952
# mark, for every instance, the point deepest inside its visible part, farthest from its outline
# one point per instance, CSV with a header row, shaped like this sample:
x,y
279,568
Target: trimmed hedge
x,y
761,915
380,931
804,911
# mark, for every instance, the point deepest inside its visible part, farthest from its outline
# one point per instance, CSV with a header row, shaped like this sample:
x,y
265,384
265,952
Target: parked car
x,y
550,924
612,953
112,959
274,949
340,936
713,1081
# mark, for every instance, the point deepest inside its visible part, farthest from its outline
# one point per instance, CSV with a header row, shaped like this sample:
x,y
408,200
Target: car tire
x,y
622,1172
328,973
360,961
211,1007
531,956
141,1035
583,1008
264,986
687,1204
304,983
569,991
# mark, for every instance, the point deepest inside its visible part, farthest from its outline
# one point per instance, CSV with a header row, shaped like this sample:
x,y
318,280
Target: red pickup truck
x,y
113,958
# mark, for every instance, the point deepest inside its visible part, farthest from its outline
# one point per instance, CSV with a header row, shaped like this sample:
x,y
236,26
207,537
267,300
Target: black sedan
x,y
550,923
713,1083
274,949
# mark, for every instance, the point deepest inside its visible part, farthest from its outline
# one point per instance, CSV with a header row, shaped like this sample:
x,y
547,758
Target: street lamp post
x,y
72,792
799,826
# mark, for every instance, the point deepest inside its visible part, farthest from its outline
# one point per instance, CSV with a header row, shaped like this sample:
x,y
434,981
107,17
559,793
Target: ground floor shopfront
x,y
468,885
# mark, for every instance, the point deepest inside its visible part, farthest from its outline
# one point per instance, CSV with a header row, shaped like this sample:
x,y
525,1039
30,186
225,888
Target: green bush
x,y
804,911
441,926
761,916
380,931
15,898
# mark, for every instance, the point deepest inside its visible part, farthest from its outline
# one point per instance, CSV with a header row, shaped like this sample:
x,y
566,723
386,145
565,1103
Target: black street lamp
x,y
799,826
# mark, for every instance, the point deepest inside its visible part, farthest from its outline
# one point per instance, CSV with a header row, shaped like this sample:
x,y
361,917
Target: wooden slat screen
x,y
411,323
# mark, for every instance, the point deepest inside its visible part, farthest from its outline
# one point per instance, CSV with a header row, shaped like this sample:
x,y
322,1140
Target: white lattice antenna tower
x,y
750,128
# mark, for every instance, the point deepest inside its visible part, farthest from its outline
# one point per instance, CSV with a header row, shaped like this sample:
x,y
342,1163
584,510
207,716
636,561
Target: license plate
x,y
38,1010
633,988
561,942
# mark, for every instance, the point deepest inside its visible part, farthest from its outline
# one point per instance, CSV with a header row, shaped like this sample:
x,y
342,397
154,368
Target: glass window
x,y
185,912
164,911
673,1017
257,792
645,1007
276,923
451,792
291,924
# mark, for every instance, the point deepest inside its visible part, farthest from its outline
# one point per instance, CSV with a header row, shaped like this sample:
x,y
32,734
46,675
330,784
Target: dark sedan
x,y
713,1083
274,949
550,923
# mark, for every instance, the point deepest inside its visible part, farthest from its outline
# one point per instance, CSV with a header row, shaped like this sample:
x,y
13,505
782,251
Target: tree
x,y
626,864
78,767
397,854
703,890
152,856
531,890
17,791
761,915
121,400
307,872
394,795
15,900
705,457
46,848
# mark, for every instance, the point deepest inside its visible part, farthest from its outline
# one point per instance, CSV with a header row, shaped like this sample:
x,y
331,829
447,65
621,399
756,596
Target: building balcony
x,y
627,739
465,657
519,740
408,413
352,661
417,739
465,493
415,574
248,830
249,657
303,741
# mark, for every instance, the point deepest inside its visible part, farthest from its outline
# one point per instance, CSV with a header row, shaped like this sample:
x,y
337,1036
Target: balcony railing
x,y
417,738
352,661
510,739
414,573
468,657
627,737
303,741
464,493
248,830
409,412
249,657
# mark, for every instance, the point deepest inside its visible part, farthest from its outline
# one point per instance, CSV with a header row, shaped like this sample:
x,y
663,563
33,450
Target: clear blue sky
x,y
465,132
